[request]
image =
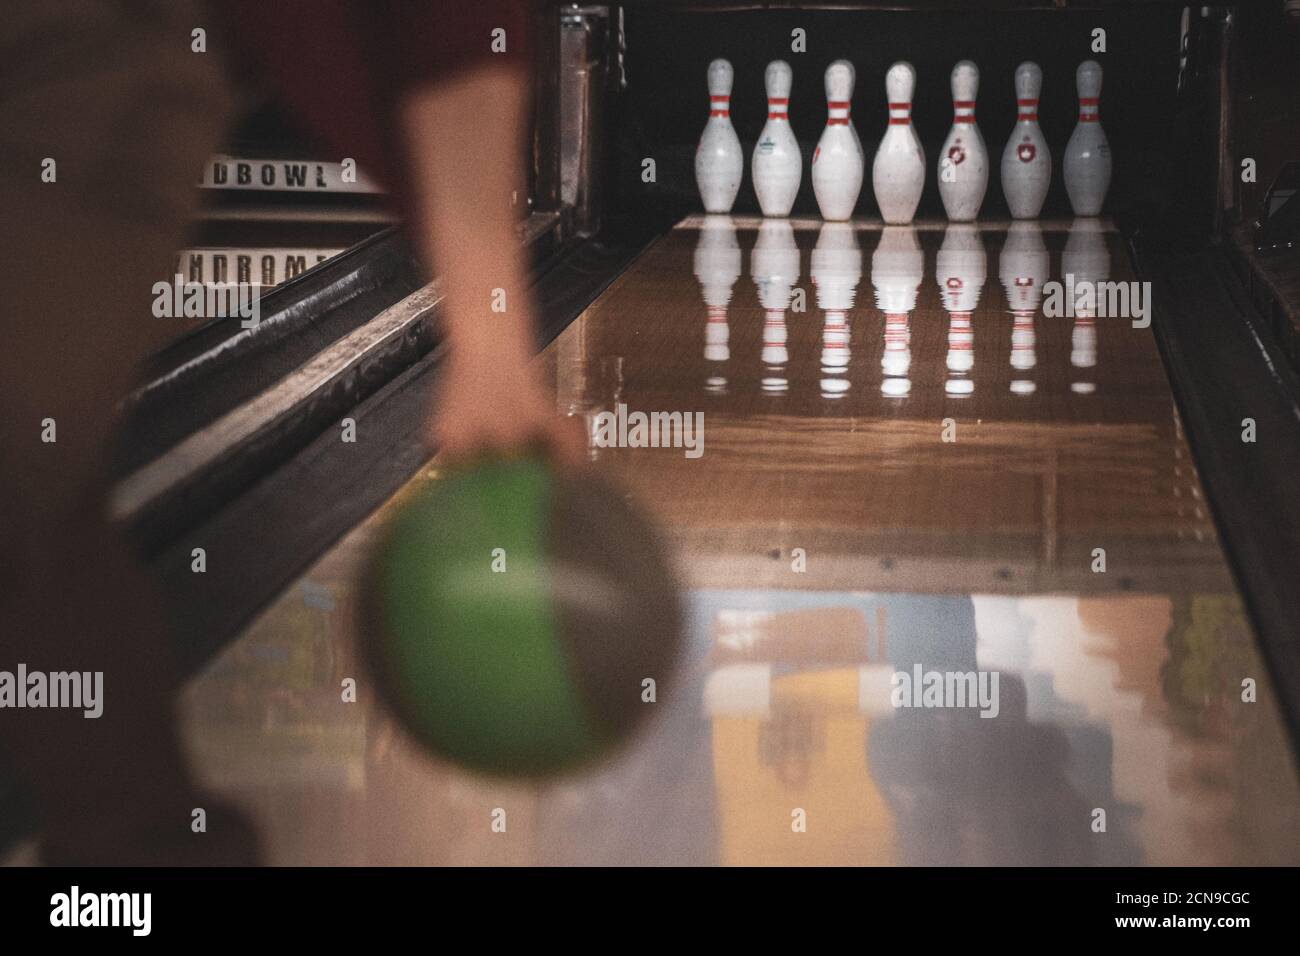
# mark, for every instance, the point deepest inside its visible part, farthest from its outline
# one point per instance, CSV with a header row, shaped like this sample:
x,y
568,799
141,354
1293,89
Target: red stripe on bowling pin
x,y
900,114
837,113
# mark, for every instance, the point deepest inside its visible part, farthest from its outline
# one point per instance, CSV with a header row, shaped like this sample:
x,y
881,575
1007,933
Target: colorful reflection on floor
x,y
1120,737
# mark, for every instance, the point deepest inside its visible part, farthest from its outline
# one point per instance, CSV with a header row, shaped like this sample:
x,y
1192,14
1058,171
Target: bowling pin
x,y
1026,162
1087,154
837,162
853,82
777,166
717,266
964,159
898,171
719,159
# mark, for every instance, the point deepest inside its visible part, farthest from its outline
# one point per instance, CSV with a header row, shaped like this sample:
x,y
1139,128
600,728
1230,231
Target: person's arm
x,y
464,143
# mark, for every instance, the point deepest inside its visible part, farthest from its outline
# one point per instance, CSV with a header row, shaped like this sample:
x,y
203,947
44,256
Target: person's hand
x,y
494,404
466,142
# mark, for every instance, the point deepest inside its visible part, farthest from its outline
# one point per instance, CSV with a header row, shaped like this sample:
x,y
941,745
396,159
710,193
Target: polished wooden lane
x,y
906,466
842,451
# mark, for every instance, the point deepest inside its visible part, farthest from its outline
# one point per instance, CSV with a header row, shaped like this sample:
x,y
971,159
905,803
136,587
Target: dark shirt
x,y
342,67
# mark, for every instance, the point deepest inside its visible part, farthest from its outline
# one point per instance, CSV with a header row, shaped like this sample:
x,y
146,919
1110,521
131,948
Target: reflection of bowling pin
x,y
1024,354
717,266
719,160
775,354
836,269
896,360
774,265
897,268
961,268
837,161
1023,268
777,163
1085,256
961,355
1087,259
1087,154
1026,162
835,356
898,171
964,159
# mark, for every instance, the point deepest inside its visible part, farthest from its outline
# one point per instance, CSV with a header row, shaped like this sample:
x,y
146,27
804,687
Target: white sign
x,y
264,267
283,175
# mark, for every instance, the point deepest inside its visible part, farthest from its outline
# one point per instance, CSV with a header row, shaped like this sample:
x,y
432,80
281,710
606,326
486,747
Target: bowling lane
x,y
908,468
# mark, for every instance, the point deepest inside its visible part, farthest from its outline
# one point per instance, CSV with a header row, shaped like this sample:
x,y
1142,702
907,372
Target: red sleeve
x,y
342,66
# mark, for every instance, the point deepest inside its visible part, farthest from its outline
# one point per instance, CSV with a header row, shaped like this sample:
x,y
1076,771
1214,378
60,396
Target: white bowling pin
x,y
1087,154
853,84
719,159
1026,162
837,162
777,165
964,159
898,171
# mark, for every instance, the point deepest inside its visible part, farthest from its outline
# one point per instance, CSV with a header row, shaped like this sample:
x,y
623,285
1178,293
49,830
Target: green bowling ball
x,y
511,614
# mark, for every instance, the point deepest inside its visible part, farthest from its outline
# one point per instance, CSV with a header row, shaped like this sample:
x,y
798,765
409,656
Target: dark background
x,y
662,112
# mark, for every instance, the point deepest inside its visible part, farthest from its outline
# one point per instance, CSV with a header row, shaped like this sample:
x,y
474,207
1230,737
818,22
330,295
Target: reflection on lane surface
x,y
960,268
851,571
897,267
1023,268
835,272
